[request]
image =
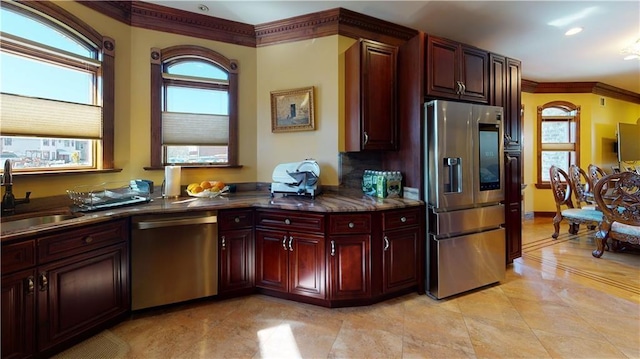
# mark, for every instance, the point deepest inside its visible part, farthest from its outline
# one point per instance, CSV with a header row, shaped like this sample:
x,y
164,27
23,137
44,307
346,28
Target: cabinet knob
x,y
287,221
237,219
31,284
386,243
464,88
44,282
88,240
333,248
459,89
403,219
366,138
290,246
224,243
284,242
351,225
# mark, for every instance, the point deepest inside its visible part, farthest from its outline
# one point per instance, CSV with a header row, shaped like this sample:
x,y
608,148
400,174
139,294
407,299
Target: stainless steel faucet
x,y
9,201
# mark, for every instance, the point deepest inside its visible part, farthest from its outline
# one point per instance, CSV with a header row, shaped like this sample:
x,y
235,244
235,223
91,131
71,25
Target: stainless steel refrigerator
x,y
464,184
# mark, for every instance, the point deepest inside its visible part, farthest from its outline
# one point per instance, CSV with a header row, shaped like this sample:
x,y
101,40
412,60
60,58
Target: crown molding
x,y
324,23
597,88
338,21
165,19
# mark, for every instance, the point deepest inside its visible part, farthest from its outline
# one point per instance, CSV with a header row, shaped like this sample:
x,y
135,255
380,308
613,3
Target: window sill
x,y
64,172
192,166
543,185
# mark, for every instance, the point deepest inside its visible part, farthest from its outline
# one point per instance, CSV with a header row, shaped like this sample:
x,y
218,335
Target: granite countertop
x,y
330,202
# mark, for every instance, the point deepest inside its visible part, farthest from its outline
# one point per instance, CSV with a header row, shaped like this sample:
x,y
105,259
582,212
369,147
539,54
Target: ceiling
x,y
531,31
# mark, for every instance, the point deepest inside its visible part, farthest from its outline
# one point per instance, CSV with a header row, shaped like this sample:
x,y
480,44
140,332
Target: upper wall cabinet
x,y
370,86
456,71
505,91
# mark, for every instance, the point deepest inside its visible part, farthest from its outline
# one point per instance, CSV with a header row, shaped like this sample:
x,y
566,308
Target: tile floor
x,y
557,302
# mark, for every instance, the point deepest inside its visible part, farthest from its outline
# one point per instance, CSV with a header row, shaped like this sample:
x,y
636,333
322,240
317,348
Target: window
x,y
56,73
558,138
194,107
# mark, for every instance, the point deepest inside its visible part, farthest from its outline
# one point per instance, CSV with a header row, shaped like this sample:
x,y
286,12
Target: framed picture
x,y
292,110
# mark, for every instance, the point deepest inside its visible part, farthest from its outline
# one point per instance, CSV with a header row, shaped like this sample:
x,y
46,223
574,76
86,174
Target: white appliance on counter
x,y
464,181
296,178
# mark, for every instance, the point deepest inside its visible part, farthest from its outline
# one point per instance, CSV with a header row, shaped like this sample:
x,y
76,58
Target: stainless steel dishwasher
x,y
173,258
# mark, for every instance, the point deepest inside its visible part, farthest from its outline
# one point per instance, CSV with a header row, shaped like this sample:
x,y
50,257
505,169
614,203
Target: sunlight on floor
x,y
278,342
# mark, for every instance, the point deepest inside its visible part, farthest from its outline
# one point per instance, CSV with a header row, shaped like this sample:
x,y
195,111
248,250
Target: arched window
x,y
194,107
558,138
57,90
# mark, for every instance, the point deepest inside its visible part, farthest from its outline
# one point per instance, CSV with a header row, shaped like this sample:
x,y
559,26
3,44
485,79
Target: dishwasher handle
x,y
172,222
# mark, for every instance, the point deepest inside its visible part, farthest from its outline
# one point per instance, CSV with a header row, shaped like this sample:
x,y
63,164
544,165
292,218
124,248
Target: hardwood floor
x,y
556,302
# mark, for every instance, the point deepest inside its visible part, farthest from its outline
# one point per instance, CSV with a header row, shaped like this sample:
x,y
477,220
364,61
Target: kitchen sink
x,y
10,224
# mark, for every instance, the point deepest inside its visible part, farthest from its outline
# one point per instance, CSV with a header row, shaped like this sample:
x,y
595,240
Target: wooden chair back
x,y
580,185
595,174
561,187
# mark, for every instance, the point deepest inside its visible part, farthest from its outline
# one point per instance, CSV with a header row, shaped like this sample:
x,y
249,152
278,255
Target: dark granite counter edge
x,y
331,202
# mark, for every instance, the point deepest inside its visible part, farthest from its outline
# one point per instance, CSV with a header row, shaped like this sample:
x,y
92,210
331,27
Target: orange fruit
x,y
191,186
197,189
217,185
205,184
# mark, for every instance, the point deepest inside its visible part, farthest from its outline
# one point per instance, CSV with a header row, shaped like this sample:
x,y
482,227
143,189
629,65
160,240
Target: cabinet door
x,y
236,260
400,259
306,265
18,314
272,259
513,126
350,272
474,74
81,292
513,205
497,74
442,74
371,96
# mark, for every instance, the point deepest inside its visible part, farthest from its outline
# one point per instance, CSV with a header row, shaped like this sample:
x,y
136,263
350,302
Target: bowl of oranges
x,y
207,189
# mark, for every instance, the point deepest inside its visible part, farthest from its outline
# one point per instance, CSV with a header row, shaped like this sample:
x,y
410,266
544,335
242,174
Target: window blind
x,y
194,129
31,116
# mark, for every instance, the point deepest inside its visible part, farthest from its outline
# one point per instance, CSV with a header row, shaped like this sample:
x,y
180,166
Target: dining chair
x,y
620,205
595,174
581,187
561,188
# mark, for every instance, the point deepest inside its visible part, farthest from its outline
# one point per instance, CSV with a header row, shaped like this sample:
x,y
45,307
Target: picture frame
x,y
292,110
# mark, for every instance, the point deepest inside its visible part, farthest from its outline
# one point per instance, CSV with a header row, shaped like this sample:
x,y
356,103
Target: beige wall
x,y
597,134
319,63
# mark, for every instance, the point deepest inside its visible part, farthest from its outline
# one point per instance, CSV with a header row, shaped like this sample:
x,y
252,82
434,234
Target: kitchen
x,y
131,144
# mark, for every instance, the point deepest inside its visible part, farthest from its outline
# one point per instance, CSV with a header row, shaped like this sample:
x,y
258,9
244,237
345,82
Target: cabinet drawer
x,y
401,218
18,256
289,220
81,240
349,223
228,220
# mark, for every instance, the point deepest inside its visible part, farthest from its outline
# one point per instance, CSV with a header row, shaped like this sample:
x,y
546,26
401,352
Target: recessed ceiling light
x,y
203,8
573,31
632,51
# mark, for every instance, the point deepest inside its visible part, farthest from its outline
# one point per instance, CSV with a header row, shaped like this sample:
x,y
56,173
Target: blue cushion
x,y
625,229
582,214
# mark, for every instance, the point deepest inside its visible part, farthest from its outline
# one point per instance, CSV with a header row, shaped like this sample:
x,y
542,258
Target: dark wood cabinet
x,y
290,253
78,285
350,256
402,249
456,71
506,92
371,96
77,293
236,251
513,204
18,314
